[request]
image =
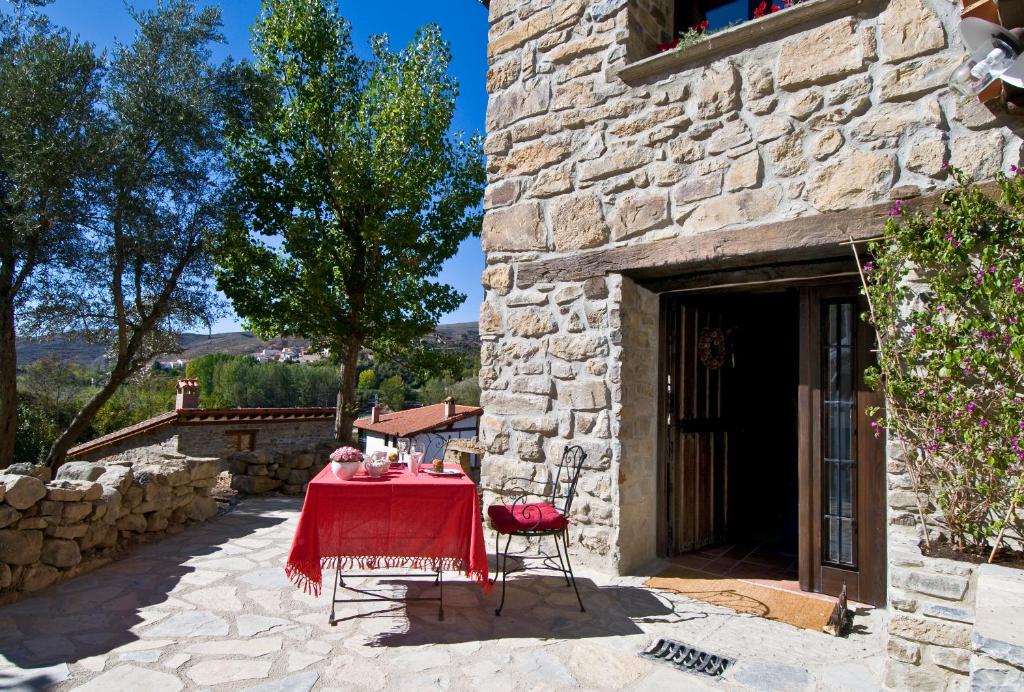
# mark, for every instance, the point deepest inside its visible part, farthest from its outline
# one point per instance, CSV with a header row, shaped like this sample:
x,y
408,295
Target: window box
x,y
736,38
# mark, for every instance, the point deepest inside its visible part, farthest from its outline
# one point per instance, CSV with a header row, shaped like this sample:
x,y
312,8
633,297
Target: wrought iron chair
x,y
538,519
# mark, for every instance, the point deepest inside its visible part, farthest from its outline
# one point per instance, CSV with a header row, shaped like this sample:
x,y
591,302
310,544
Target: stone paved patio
x,y
211,609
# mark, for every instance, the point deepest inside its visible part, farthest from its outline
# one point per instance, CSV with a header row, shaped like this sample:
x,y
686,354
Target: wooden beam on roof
x,y
805,238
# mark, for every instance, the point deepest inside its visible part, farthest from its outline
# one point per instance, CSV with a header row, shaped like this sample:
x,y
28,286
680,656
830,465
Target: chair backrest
x,y
568,473
436,447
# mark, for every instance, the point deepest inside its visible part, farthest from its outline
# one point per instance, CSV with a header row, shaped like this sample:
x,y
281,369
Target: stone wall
x,y
91,511
211,440
136,448
952,624
997,640
931,611
288,471
636,429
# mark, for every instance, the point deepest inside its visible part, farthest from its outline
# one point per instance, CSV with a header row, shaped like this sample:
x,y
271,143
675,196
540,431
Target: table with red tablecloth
x,y
399,520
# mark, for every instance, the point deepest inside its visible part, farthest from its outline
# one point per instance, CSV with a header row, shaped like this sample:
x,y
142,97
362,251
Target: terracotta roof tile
x,y
144,426
416,420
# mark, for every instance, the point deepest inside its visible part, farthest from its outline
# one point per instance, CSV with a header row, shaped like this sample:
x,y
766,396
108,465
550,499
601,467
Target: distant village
x,y
286,354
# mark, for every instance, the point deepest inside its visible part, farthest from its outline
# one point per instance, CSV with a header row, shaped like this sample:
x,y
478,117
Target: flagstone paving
x,y
212,609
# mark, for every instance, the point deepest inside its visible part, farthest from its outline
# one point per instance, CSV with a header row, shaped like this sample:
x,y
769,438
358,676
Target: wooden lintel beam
x,y
805,238
762,276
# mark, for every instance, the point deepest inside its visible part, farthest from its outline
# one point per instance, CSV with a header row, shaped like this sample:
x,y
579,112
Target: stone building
x,y
210,433
671,282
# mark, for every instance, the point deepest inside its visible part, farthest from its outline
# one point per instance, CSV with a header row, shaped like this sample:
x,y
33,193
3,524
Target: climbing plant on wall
x,y
946,292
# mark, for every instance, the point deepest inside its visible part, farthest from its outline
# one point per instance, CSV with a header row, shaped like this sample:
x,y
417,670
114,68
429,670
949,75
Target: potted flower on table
x,y
345,462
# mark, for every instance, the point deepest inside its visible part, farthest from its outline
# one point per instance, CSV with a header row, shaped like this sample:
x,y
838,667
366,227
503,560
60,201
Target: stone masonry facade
x,y
594,142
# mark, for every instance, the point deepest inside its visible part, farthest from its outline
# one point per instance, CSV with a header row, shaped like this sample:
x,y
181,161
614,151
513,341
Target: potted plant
x,y
345,462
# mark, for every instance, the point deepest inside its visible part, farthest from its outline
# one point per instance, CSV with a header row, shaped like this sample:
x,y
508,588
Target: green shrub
x,y
947,299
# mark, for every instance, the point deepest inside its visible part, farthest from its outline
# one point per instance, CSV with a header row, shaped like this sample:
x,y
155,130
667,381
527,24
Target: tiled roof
x,y
132,430
207,416
417,420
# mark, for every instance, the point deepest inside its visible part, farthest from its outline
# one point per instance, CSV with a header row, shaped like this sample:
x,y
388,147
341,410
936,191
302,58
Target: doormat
x,y
799,610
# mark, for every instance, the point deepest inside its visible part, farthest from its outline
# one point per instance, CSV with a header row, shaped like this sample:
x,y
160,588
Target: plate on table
x,y
447,472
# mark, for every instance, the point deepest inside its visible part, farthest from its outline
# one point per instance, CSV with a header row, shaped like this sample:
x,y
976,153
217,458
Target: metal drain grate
x,y
685,657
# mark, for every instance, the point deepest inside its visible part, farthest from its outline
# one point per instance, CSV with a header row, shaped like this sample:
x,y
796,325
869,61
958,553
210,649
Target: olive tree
x,y
141,274
49,91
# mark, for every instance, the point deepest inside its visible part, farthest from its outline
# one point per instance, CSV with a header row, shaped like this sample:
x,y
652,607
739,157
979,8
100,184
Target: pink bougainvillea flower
x,y
868,266
983,423
1018,285
761,10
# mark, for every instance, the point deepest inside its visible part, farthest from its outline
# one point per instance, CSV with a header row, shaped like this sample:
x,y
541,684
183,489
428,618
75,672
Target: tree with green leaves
x,y
141,274
49,91
393,392
351,192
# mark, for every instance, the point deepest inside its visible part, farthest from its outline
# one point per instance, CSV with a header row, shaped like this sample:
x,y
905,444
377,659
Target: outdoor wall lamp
x,y
993,53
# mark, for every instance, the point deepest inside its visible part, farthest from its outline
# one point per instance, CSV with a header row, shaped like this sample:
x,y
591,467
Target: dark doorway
x,y
763,479
736,363
769,468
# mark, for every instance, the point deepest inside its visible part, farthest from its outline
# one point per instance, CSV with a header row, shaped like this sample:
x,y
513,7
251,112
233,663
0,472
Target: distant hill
x,y
462,336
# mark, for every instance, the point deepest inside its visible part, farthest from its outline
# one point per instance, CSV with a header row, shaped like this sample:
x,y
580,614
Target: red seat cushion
x,y
539,516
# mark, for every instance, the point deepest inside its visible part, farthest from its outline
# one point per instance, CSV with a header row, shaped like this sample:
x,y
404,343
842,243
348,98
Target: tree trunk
x,y
81,421
347,406
8,384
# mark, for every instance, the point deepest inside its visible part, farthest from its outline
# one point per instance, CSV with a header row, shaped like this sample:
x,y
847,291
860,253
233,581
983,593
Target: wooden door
x,y
842,464
700,429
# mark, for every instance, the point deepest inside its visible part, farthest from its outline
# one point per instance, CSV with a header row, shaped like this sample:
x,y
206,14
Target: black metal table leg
x,y
334,597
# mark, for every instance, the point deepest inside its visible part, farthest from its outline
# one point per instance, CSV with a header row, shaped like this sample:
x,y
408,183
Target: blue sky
x,y
464,23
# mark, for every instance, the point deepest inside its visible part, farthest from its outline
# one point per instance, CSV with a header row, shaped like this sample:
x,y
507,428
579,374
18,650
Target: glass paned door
x,y
839,529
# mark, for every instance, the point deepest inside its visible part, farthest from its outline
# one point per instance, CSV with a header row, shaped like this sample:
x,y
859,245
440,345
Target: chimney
x,y
187,394
449,407
375,414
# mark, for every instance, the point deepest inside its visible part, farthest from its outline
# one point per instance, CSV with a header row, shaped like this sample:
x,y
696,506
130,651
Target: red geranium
x,y
763,9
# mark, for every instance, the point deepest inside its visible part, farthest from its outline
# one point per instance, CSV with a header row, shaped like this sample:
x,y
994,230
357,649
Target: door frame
x,y
815,283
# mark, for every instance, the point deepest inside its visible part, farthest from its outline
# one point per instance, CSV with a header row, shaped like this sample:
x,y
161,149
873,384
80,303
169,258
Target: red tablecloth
x,y
400,520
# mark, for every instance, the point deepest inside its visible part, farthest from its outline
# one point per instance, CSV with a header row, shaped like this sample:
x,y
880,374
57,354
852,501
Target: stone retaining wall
x,y
79,521
948,620
997,641
288,471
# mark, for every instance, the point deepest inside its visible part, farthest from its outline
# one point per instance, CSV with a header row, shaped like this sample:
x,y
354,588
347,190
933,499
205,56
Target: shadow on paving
x,y
94,613
536,607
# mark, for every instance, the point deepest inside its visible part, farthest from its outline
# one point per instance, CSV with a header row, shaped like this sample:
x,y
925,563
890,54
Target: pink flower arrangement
x,y
346,454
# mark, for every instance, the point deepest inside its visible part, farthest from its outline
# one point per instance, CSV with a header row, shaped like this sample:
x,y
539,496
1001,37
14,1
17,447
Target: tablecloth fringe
x,y
305,574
